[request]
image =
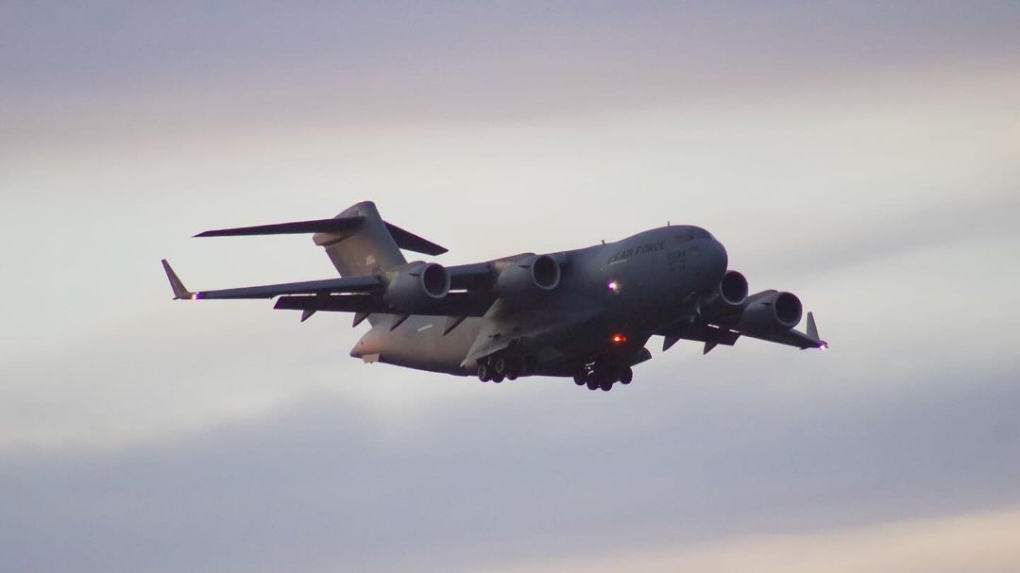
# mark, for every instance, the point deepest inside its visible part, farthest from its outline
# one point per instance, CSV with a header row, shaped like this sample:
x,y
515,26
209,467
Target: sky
x,y
864,155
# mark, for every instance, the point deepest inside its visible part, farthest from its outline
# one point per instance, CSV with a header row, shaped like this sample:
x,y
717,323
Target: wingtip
x,y
180,291
812,332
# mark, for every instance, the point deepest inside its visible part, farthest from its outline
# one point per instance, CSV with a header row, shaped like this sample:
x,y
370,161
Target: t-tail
x,y
366,247
358,241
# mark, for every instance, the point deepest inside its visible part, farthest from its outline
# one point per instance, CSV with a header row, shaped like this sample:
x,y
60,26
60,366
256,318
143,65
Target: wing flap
x,y
363,284
455,304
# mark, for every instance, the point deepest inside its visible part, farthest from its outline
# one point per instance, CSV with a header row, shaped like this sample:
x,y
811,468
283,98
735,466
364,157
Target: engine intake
x,y
733,289
417,286
528,276
728,297
775,312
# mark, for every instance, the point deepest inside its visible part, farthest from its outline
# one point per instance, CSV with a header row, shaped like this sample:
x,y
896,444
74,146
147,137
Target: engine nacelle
x,y
417,286
728,297
776,312
732,289
528,276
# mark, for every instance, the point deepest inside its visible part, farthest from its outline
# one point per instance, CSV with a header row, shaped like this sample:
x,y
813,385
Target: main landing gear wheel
x,y
626,376
501,365
603,375
483,373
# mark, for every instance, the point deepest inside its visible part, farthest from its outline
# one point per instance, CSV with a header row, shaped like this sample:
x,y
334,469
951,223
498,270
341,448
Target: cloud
x,y
524,473
124,72
983,541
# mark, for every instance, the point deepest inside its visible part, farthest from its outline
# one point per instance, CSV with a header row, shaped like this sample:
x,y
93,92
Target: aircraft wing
x,y
726,326
355,294
793,337
320,287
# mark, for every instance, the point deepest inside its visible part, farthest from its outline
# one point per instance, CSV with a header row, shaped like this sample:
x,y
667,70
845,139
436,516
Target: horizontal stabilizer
x,y
404,239
320,226
411,242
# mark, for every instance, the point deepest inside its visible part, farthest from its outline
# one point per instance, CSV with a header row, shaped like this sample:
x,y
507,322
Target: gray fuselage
x,y
611,298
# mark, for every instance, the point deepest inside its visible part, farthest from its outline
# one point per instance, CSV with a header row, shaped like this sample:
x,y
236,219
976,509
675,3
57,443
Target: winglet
x,y
812,332
812,328
180,291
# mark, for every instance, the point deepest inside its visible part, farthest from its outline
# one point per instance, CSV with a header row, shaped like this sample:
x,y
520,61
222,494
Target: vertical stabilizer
x,y
366,249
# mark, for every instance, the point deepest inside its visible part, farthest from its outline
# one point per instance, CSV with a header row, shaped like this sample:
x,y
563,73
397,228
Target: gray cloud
x,y
521,475
121,70
120,45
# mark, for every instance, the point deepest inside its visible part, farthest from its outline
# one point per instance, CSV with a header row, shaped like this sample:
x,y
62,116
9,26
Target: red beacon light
x,y
619,339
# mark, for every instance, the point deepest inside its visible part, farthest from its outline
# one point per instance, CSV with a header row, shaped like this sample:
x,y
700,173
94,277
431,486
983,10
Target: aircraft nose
x,y
718,261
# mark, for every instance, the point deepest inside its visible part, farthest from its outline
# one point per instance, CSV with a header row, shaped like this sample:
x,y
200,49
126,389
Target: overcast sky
x,y
864,155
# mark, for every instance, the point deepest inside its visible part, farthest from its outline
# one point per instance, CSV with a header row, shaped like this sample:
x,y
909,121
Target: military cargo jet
x,y
586,313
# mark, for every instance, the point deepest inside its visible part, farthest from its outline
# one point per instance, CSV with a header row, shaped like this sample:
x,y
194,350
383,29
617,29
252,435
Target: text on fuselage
x,y
625,254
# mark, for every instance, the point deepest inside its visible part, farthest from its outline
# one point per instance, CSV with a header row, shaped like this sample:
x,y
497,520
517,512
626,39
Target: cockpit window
x,y
691,233
700,233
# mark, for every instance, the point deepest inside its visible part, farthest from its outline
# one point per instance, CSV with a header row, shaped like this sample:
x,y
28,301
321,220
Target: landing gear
x,y
500,365
483,373
510,366
626,376
503,366
601,375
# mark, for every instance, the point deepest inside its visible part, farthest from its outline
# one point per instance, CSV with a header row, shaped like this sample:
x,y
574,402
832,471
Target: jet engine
x,y
775,312
728,297
417,286
530,275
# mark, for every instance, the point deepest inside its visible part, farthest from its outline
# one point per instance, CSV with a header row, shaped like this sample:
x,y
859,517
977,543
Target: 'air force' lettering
x,y
639,250
566,314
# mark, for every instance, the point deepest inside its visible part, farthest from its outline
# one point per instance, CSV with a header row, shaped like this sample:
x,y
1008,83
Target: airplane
x,y
585,314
